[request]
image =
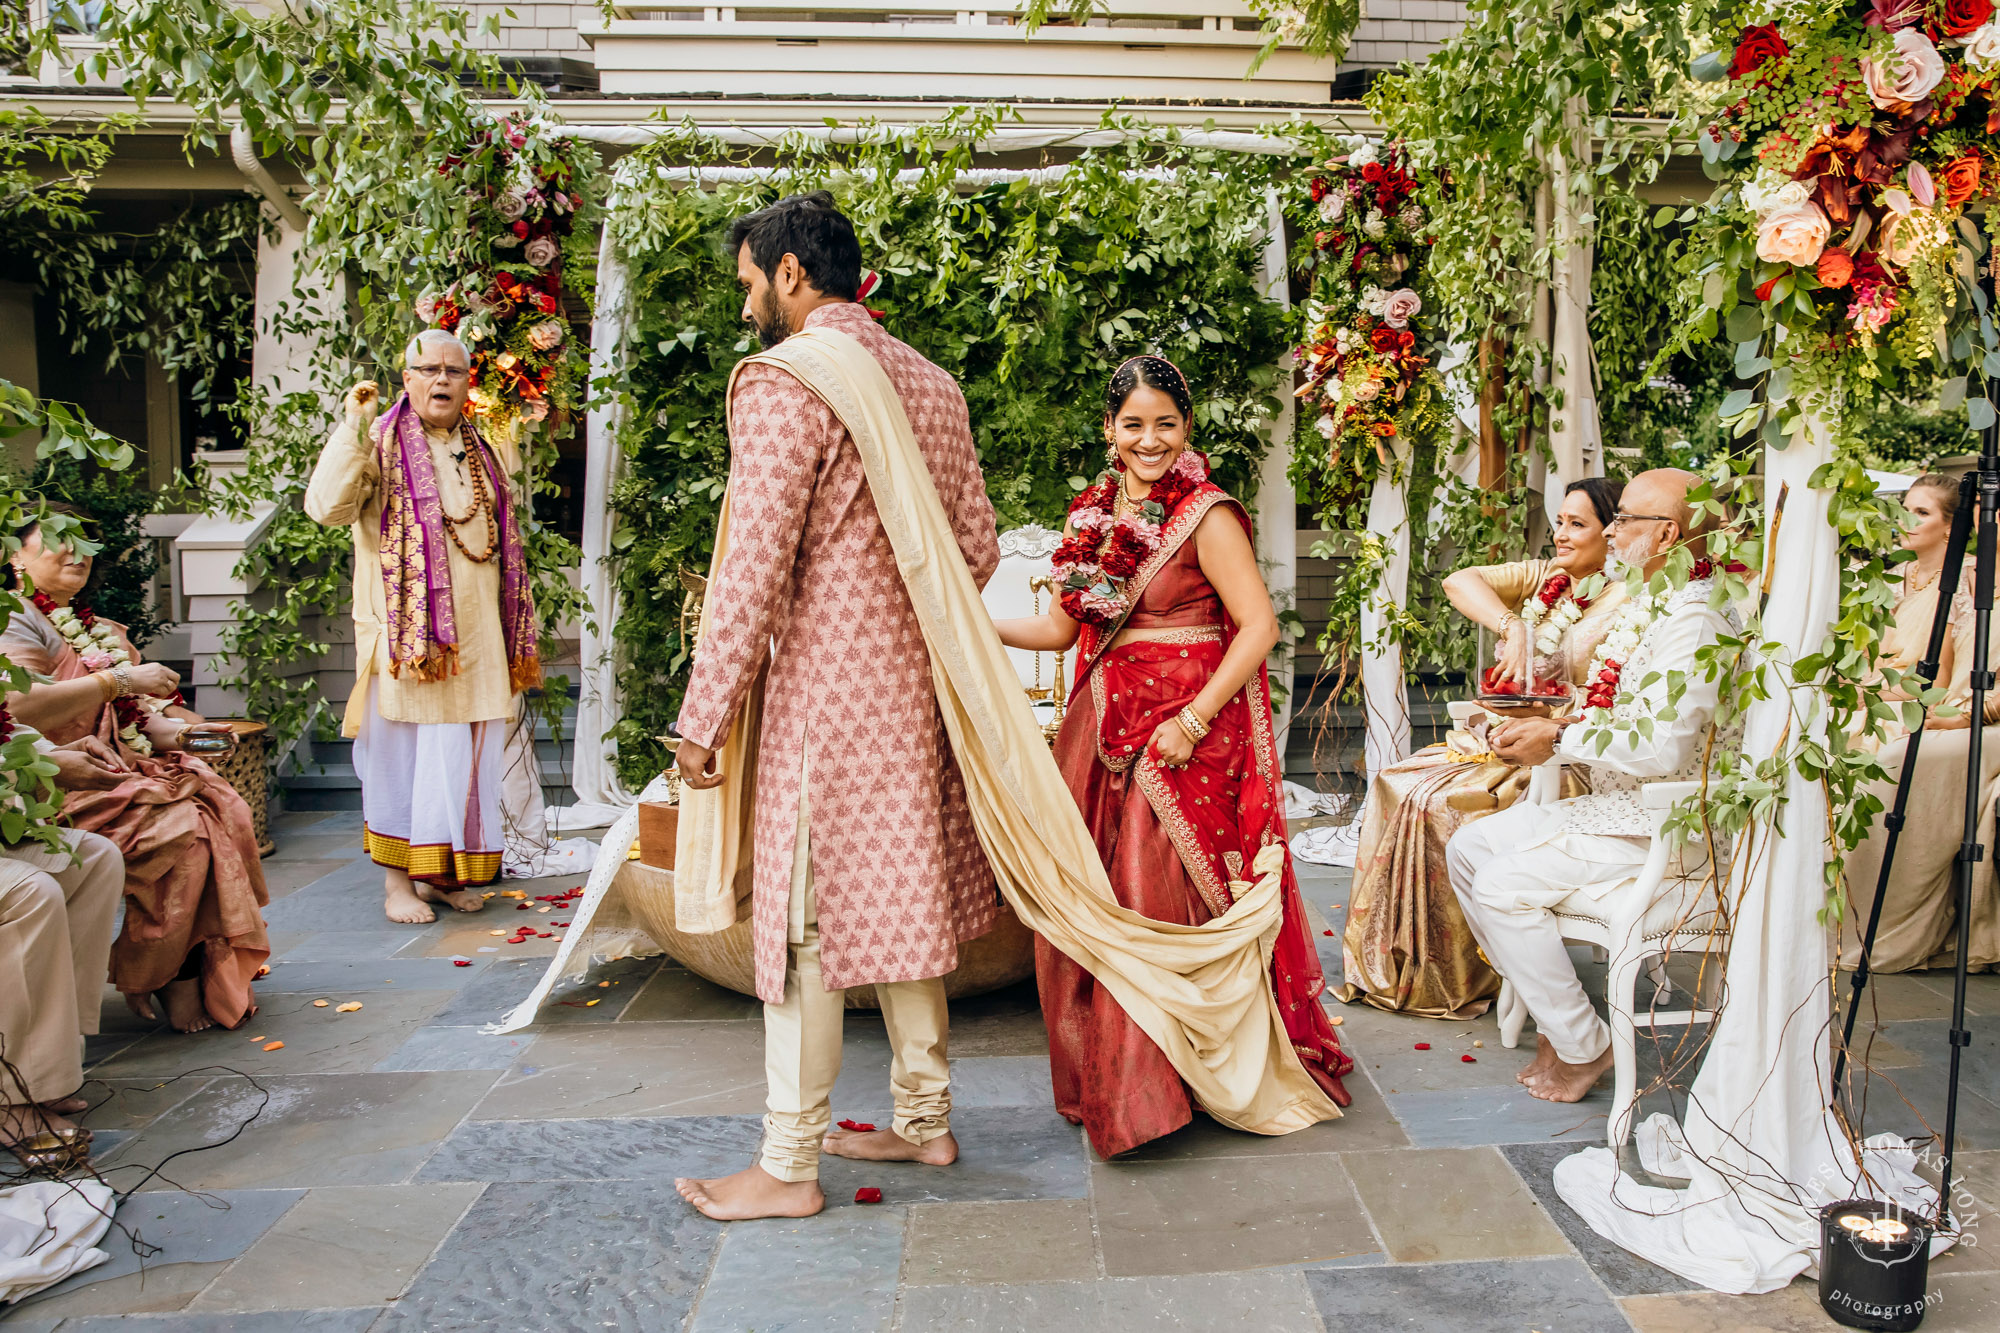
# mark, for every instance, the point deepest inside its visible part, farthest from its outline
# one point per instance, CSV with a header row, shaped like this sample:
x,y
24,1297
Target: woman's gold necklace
x,y
1911,587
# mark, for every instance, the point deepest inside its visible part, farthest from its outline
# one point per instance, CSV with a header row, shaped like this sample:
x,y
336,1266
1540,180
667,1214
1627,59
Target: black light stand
x,y
1979,488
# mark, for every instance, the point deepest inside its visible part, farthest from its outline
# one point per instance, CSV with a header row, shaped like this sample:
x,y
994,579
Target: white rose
x,y
1374,226
1372,298
1332,206
1365,154
1326,425
1982,48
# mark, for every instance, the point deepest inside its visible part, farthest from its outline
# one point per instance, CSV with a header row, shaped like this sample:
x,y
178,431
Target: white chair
x,y
1672,907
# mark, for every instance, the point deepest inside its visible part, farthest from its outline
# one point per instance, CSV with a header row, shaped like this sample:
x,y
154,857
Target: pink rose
x,y
427,307
99,661
1400,307
542,251
1793,235
1366,390
546,335
1907,76
538,410
511,203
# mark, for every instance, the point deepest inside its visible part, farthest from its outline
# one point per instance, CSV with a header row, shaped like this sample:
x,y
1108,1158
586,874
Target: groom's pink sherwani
x,y
898,874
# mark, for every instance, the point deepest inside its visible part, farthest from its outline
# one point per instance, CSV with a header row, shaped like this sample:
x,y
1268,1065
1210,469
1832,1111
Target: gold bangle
x,y
107,684
1192,724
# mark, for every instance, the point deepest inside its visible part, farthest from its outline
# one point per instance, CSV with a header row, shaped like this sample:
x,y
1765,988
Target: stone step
x,y
336,786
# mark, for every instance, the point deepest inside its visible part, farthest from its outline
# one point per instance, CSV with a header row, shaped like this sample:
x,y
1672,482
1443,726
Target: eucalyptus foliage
x,y
1028,292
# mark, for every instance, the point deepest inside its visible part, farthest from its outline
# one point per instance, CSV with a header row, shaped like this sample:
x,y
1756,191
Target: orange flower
x,y
1958,181
1384,428
1836,266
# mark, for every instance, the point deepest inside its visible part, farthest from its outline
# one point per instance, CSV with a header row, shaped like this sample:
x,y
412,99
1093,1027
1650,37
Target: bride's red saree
x,y
1172,839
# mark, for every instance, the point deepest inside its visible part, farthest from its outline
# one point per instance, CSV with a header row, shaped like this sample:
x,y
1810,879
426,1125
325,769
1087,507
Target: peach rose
x,y
1836,267
1958,181
1907,76
1793,235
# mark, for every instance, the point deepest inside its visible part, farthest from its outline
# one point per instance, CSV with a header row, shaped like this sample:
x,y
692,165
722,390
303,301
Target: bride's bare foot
x,y
886,1145
1545,1055
400,901
458,900
751,1192
185,1011
1563,1082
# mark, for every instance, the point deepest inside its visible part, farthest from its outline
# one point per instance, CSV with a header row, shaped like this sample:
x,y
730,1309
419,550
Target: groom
x,y
867,870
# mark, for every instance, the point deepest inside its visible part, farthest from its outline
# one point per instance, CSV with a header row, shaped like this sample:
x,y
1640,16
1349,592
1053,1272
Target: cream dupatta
x,y
1201,993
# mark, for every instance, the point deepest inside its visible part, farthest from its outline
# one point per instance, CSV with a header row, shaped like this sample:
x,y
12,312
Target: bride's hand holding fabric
x,y
1171,744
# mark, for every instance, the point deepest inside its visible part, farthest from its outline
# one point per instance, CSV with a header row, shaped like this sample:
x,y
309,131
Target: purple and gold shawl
x,y
416,560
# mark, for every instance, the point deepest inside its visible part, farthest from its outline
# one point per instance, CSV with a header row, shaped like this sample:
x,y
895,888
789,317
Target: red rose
x,y
1958,181
1318,188
1764,287
1962,18
1389,341
1323,240
545,303
1835,267
1756,47
521,230
447,316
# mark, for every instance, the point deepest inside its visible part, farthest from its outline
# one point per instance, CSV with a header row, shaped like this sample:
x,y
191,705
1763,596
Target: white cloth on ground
x,y
435,788
1510,870
530,852
49,1230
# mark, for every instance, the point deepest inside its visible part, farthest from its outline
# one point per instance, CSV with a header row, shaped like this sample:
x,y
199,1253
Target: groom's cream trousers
x,y
802,1039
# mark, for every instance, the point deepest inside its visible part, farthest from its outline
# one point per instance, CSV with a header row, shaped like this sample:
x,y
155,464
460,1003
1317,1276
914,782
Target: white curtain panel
x,y
1385,704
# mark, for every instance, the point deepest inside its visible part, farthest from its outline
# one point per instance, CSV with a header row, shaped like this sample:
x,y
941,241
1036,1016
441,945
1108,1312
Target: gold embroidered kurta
x,y
346,488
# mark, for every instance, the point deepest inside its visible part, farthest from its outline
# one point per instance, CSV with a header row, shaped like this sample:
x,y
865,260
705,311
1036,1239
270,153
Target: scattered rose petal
x,y
347,1008
1468,1059
868,1194
856,1127
1326,932
1338,906
264,971
1480,1045
588,1003
1336,1020
321,1004
461,962
1423,1046
603,985
520,907
545,908
484,896
496,932
274,1046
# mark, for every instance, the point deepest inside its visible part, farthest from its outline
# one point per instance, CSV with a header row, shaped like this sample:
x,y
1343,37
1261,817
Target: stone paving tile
x,y
1491,1296
1450,1204
495,990
466,934
282,1321
316,1041
1005,1153
1367,1123
1931,1043
1474,1116
196,1236
1624,1272
1385,1044
835,1273
455,1048
117,1104
317,1129
634,1069
1001,1080
344,946
617,1255
284,878
354,976
347,898
1002,1022
676,995
1910,1102
953,1244
1980,1173
340,1246
1210,1215
339,846
1206,1303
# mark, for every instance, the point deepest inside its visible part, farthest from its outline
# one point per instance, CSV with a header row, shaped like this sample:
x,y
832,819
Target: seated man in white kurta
x,y
1511,869
438,660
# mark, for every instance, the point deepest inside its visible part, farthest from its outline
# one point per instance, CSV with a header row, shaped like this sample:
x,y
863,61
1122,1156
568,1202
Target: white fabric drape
x,y
1277,499
1575,434
49,1230
1759,1147
1384,701
600,797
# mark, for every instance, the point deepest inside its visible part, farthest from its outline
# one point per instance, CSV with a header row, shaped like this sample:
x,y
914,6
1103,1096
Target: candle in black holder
x,y
1874,1265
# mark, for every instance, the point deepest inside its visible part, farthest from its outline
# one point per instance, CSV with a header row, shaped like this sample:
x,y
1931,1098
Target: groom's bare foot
x,y
751,1192
1545,1055
886,1145
1563,1082
400,901
458,900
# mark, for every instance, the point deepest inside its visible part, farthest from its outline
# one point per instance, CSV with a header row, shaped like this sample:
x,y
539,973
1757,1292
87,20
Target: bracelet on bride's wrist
x,y
1192,724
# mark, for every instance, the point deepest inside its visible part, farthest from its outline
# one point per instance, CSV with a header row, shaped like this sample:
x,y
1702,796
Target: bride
x,y
1167,747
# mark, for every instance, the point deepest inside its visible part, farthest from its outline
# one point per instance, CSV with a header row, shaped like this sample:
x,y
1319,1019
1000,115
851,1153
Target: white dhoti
x,y
1509,871
430,796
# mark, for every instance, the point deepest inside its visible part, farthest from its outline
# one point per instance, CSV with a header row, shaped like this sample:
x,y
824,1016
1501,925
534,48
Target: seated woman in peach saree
x,y
1407,947
194,888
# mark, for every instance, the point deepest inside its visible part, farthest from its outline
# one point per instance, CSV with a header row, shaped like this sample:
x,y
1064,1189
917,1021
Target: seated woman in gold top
x,y
1407,947
1919,927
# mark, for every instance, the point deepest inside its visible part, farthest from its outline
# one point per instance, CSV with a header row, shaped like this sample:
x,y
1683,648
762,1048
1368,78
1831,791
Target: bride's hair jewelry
x,y
1154,371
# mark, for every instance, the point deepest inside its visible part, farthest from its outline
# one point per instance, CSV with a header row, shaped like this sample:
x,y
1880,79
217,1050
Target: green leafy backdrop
x,y
1029,292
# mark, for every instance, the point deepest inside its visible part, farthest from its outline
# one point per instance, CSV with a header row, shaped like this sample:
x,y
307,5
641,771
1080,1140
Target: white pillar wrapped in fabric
x,y
1575,434
600,797
1759,1148
1385,703
1277,501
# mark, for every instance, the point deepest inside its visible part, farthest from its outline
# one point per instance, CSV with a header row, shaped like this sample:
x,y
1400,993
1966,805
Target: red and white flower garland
x,y
99,647
1607,664
1550,611
1105,549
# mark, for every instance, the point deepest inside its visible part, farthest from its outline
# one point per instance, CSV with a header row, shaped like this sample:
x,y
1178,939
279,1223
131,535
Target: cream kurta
x,y
346,488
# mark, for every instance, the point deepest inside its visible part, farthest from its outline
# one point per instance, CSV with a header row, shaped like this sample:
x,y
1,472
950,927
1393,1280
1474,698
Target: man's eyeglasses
x,y
450,374
1620,516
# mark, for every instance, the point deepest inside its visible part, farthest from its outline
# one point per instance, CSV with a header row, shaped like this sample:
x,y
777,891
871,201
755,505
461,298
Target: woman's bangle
x,y
1507,621
1192,724
122,675
107,684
